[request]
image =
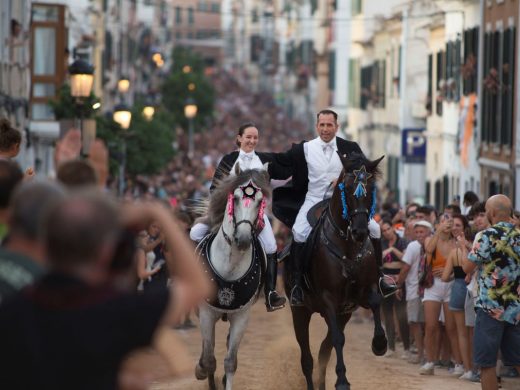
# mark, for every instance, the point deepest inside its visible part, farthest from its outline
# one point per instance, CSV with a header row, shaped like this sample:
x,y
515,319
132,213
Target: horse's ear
x,y
344,161
372,165
237,169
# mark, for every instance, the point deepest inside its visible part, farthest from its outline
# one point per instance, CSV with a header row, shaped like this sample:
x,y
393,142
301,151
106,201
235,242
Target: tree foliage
x,y
175,90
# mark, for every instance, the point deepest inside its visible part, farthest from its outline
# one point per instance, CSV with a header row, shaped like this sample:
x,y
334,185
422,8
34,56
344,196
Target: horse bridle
x,y
237,224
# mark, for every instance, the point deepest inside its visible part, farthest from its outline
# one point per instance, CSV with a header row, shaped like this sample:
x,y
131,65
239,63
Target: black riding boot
x,y
384,288
297,268
273,301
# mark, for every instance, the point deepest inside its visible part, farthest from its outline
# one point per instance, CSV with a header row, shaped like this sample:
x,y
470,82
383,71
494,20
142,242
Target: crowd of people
x,y
451,274
73,284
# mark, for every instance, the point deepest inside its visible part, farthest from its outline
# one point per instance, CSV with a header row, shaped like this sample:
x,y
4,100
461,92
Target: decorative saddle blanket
x,y
233,295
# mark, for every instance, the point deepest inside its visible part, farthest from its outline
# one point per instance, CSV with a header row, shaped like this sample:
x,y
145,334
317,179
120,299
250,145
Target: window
x,y
203,6
215,7
357,7
366,87
178,15
470,66
48,43
440,81
429,96
191,19
508,86
332,70
354,83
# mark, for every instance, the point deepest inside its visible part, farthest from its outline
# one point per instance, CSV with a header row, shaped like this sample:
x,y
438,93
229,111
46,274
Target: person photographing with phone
x,y
437,296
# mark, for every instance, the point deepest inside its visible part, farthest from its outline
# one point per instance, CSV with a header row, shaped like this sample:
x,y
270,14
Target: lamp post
x,y
190,111
123,85
81,81
122,115
148,112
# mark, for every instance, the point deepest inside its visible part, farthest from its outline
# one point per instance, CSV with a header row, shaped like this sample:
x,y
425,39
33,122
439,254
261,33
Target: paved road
x,y
267,362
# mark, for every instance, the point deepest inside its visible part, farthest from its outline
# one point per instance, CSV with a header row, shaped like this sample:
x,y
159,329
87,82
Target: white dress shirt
x,y
247,161
324,165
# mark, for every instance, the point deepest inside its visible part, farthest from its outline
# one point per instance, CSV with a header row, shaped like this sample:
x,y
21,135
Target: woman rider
x,y
247,139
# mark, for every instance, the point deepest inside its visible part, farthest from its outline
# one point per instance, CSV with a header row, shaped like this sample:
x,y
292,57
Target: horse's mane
x,y
219,196
357,160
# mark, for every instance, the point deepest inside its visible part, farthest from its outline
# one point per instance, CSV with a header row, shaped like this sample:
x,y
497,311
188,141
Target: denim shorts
x,y
492,335
458,295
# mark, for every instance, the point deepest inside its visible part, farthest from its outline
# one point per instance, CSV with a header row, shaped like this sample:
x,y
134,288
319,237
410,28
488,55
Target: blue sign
x,y
413,146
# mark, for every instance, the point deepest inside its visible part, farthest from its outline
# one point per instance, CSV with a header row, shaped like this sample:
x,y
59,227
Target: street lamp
x,y
81,81
122,115
148,112
190,111
123,85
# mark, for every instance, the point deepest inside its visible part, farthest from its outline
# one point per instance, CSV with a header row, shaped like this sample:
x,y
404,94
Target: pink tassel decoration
x,y
230,208
261,211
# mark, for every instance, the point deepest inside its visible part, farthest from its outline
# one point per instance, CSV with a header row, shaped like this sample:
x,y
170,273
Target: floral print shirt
x,y
496,252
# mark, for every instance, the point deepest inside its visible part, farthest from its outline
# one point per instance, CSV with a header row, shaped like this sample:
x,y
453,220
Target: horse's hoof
x,y
200,373
379,345
343,387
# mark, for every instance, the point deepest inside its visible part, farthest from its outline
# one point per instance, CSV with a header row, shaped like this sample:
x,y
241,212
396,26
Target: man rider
x,y
313,165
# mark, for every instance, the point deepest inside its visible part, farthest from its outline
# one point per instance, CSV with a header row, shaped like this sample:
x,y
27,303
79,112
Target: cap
x,y
423,223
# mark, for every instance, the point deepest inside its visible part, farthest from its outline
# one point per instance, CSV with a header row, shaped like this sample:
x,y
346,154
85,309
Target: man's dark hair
x,y
29,203
470,198
76,229
477,208
9,136
327,112
426,210
454,208
10,176
77,173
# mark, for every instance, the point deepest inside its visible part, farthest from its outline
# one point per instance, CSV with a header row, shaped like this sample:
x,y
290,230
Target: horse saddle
x,y
315,212
233,295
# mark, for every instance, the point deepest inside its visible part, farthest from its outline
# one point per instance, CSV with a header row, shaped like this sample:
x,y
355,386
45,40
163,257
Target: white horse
x,y
233,260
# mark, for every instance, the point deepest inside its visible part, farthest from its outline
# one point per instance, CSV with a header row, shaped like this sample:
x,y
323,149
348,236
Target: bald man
x,y
496,256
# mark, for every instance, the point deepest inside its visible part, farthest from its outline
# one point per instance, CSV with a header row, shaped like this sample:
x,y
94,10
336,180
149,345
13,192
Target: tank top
x,y
438,260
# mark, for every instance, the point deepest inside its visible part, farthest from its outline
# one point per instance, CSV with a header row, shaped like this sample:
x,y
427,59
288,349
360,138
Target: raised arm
x,y
281,166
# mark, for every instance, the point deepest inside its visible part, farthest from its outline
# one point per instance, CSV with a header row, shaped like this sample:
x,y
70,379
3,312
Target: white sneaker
x,y
427,369
406,355
389,353
466,376
458,370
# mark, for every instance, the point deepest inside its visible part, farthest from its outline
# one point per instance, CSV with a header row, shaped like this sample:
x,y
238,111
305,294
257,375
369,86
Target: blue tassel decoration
x,y
344,214
360,191
373,207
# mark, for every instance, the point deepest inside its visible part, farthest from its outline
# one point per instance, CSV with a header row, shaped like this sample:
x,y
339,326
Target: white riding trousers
x,y
266,236
301,228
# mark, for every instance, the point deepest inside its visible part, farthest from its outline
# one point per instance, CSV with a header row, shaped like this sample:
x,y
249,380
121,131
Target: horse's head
x,y
246,195
357,188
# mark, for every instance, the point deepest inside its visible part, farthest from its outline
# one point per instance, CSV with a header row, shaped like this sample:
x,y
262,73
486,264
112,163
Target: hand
x,y
98,157
437,272
68,148
140,215
399,294
29,173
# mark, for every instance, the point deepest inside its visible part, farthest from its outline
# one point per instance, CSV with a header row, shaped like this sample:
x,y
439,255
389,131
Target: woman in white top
x,y
247,139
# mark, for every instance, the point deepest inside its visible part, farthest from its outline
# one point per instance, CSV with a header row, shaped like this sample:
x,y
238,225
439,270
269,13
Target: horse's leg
x,y
338,341
326,349
238,323
207,364
379,342
301,319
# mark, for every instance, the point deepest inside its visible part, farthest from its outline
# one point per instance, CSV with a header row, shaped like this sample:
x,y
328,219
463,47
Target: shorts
x,y
491,336
458,295
415,310
439,292
469,310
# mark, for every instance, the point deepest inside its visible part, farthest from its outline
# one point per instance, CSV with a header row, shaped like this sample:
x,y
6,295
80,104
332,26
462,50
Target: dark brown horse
x,y
341,270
